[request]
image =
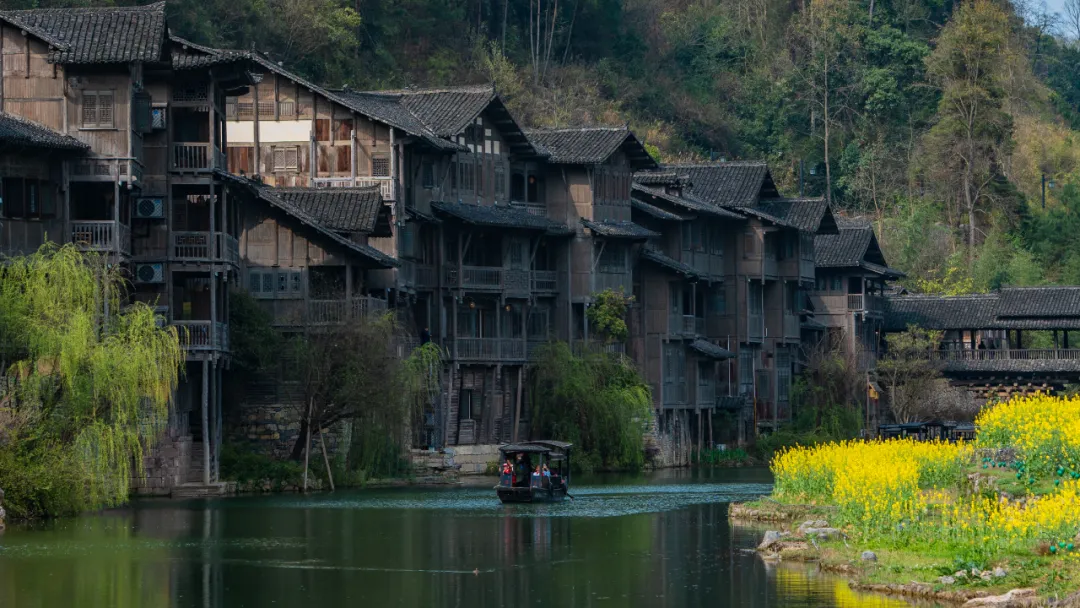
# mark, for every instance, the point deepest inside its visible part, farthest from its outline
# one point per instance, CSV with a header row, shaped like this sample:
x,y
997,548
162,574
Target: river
x,y
655,540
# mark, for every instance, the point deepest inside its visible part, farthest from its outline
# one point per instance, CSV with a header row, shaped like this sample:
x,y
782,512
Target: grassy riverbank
x,y
942,514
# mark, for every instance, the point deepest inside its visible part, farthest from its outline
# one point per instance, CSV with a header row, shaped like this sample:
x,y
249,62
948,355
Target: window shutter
x,y
291,155
89,110
105,109
279,158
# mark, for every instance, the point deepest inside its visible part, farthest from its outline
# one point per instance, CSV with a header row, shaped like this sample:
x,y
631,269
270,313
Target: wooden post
x,y
711,444
1055,339
258,147
517,404
307,444
218,426
206,421
1066,336
211,157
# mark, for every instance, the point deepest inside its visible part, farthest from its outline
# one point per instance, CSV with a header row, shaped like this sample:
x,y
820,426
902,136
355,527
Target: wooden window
x,y
612,259
380,166
717,302
286,108
286,158
750,245
453,175
427,174
716,240
98,110
344,159
836,284
276,283
322,129
783,375
500,180
465,402
746,371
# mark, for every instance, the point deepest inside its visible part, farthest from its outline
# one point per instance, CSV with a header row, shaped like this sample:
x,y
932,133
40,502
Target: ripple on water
x,y
588,501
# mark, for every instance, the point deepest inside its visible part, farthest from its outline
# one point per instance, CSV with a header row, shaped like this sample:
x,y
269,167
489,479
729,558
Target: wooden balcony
x,y
858,302
538,209
102,236
203,336
487,278
686,326
204,247
196,157
595,347
337,312
106,170
545,281
488,349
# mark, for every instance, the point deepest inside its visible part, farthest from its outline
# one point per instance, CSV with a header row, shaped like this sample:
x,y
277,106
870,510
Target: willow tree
x,y
87,380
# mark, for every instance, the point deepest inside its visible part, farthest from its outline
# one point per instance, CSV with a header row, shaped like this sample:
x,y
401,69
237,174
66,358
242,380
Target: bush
x,y
239,463
45,482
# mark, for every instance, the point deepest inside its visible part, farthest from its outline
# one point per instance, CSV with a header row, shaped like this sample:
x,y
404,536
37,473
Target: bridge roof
x,y
1007,308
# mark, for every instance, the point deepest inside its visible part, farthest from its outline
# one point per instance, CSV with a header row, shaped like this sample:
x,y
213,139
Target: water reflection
x,y
624,542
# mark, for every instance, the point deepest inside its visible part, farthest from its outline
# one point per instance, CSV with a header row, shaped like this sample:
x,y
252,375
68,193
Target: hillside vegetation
x,y
939,119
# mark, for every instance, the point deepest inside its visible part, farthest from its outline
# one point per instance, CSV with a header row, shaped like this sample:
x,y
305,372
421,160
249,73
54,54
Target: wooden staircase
x,y
194,486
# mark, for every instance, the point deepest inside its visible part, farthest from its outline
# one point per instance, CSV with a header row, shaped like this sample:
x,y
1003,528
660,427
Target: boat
x,y
518,482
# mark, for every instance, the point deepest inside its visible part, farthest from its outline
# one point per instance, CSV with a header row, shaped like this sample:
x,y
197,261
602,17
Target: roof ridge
x,y
144,8
369,188
578,129
475,88
711,164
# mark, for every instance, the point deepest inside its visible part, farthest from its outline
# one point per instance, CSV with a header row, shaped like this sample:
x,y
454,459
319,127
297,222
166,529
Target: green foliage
x,y
239,463
607,315
718,457
253,341
90,383
598,402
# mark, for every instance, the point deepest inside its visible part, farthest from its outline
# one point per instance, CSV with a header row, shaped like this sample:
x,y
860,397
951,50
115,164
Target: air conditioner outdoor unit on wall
x,y
157,118
150,273
150,208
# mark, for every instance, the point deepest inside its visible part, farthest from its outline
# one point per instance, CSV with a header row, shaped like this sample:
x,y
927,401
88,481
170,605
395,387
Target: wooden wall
x,y
30,86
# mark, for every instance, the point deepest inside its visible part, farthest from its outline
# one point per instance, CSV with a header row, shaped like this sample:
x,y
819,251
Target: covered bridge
x,y
1015,339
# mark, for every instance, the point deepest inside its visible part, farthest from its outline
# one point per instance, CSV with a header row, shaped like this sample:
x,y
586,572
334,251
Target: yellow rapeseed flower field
x,y
913,492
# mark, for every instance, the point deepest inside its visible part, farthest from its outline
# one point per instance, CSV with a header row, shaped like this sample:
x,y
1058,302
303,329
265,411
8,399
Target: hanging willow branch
x,y
95,377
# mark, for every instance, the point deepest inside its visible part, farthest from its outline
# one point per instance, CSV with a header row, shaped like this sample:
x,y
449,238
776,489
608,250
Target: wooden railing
x,y
1025,354
545,280
581,347
101,235
487,278
195,246
191,156
426,276
539,209
689,326
203,335
387,186
488,349
675,393
858,301
335,312
333,182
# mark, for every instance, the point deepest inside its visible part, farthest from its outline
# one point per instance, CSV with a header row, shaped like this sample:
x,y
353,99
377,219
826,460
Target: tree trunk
x,y
298,447
307,445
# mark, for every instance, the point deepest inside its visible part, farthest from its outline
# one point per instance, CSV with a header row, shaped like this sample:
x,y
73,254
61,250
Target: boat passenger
x,y
536,477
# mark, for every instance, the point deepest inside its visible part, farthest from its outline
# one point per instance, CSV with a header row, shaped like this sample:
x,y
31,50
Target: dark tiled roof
x,y
1045,302
813,324
619,230
498,216
941,313
640,192
187,55
420,216
16,131
389,109
342,209
590,145
446,111
806,214
271,196
100,35
1007,308
656,212
711,350
728,184
843,250
662,178
669,263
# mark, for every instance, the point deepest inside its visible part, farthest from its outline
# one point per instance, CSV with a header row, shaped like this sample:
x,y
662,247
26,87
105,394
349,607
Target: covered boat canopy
x,y
544,446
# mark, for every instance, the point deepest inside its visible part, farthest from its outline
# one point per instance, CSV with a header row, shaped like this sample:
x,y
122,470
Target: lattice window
x,y
99,109
286,158
191,93
380,166
500,180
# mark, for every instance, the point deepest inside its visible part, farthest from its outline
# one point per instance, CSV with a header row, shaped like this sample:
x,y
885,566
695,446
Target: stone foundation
x,y
453,461
165,467
273,428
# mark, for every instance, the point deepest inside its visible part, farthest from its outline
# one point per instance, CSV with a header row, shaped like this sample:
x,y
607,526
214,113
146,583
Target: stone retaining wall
x,y
456,460
165,467
273,429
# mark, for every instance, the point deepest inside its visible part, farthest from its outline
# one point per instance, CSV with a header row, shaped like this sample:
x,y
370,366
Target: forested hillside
x,y
942,120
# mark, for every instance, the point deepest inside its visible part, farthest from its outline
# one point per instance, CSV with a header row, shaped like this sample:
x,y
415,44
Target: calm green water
x,y
660,540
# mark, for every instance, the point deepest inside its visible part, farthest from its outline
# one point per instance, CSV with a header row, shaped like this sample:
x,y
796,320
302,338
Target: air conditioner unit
x,y
150,208
157,118
150,273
